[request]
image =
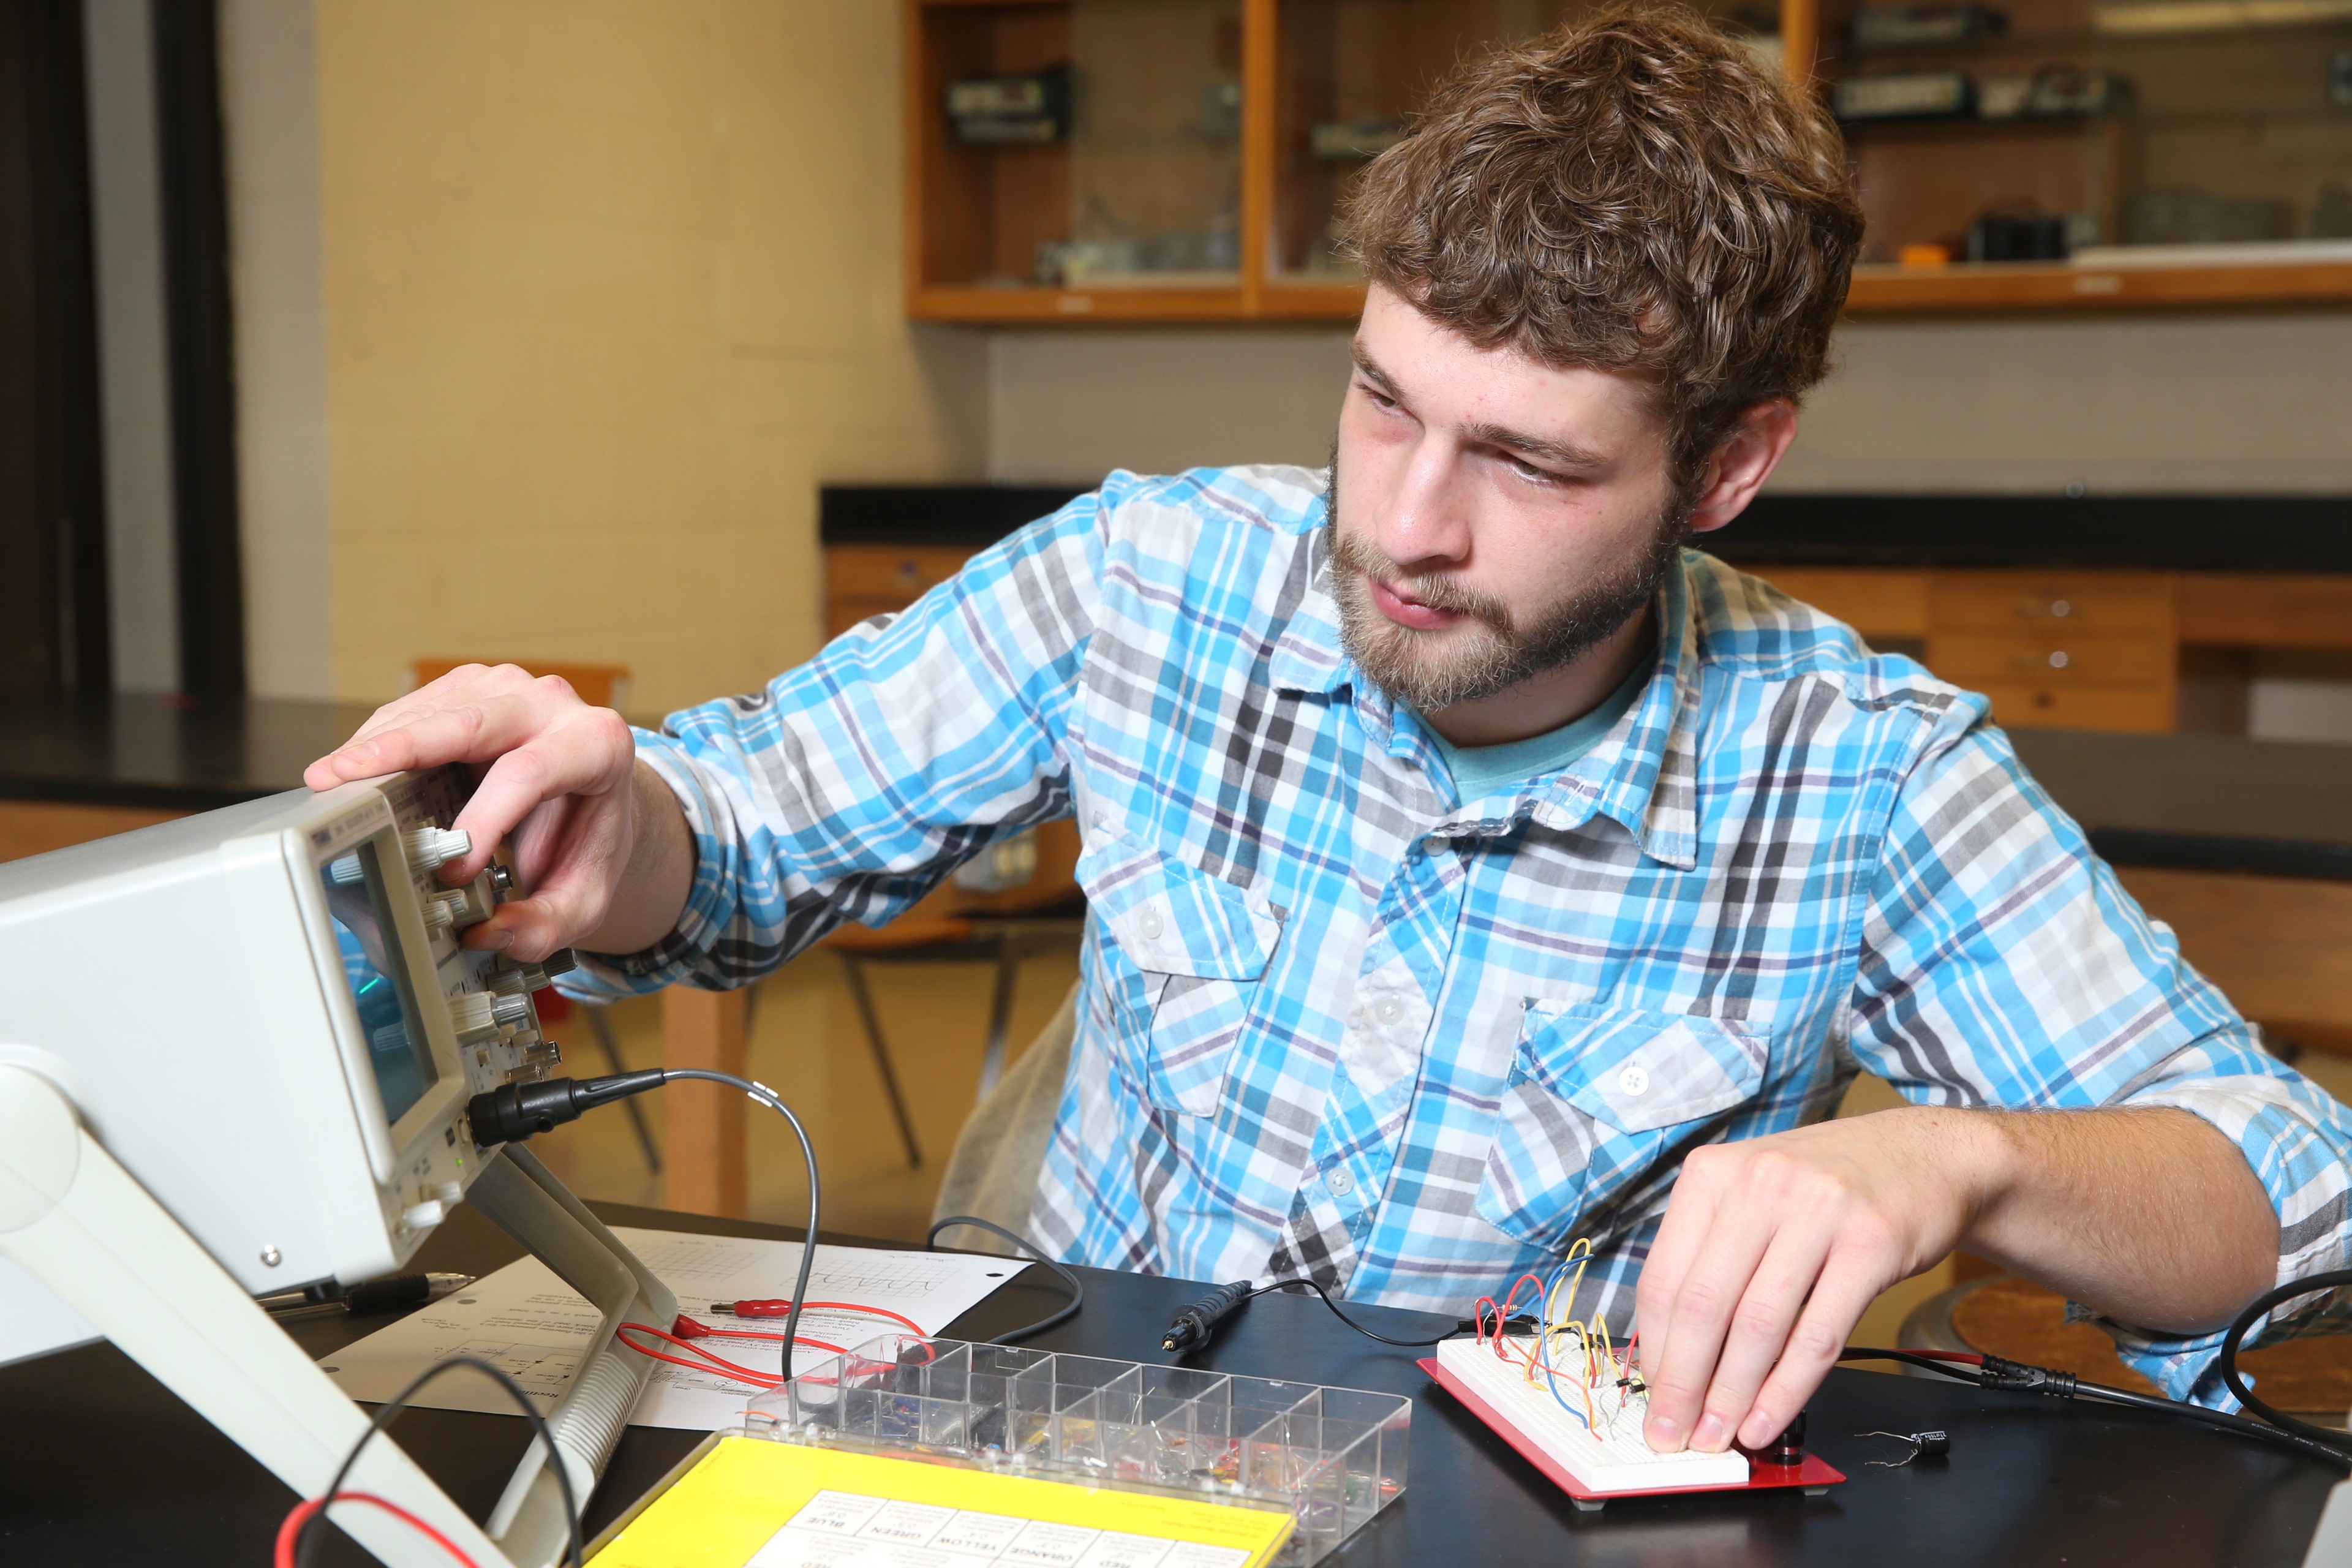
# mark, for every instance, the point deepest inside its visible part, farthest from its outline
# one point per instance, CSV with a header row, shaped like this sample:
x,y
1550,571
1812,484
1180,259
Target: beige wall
x,y
610,286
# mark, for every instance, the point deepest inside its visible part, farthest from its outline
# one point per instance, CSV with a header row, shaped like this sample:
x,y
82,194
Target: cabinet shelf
x,y
1189,129
2018,286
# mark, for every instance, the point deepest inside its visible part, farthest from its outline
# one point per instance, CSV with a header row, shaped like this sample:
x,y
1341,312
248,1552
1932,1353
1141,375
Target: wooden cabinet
x,y
2087,650
2074,650
1181,159
1884,605
866,580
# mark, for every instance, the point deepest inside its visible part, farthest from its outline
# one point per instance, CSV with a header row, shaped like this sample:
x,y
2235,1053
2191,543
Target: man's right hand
x,y
601,852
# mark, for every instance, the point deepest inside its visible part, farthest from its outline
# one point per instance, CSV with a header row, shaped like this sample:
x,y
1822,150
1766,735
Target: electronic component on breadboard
x,y
1586,1435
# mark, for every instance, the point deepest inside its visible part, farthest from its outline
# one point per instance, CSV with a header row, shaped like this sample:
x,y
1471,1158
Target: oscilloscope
x,y
235,1054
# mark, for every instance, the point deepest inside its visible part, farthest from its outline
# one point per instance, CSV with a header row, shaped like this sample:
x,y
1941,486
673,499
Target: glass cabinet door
x,y
2236,120
1351,74
2112,131
1094,144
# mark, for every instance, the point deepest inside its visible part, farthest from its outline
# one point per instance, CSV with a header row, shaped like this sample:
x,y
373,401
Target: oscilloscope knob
x,y
429,848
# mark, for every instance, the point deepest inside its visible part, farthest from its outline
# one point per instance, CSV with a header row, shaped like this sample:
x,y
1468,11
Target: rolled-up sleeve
x,y
849,788
2003,965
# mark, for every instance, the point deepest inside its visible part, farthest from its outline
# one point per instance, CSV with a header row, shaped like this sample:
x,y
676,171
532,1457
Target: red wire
x,y
1478,1317
912,1327
284,1556
759,1379
1523,1280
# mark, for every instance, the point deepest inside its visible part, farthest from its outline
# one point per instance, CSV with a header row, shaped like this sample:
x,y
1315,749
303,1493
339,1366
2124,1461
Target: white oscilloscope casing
x,y
193,1114
150,976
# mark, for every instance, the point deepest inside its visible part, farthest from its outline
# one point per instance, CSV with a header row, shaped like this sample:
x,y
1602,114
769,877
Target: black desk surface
x,y
2203,803
166,752
101,1466
2136,532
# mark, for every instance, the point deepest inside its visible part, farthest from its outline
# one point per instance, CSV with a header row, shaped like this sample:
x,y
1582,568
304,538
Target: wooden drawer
x,y
1877,604
2052,656
2256,609
897,573
2053,603
2024,706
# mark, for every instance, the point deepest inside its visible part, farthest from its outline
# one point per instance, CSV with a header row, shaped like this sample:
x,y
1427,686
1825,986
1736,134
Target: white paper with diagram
x,y
527,1322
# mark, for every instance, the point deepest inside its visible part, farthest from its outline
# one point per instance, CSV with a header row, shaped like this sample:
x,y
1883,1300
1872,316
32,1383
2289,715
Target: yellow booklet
x,y
753,1503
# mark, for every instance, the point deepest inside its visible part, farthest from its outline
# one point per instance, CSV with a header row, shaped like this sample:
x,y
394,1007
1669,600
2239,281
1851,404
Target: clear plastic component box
x,y
1331,1458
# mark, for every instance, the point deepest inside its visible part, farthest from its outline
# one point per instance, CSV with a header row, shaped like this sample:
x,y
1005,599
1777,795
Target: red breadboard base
x,y
1815,1472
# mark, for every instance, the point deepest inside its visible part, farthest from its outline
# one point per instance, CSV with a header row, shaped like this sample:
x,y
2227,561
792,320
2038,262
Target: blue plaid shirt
x,y
1336,1021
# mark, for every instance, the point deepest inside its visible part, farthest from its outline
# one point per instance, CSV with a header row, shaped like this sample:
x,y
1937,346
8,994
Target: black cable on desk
x,y
512,1112
1996,1373
1339,1312
1077,1289
762,1094
2236,1337
1195,1324
308,1533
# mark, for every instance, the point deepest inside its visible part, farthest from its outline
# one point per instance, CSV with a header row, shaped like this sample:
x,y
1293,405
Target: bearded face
x,y
1486,649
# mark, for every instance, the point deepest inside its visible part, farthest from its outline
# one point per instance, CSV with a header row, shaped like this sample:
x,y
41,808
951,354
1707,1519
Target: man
x,y
1470,868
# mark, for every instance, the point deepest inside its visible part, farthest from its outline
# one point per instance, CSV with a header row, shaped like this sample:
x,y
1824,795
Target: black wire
x,y
1962,1372
1338,1312
2236,1337
768,1096
1077,1290
308,1533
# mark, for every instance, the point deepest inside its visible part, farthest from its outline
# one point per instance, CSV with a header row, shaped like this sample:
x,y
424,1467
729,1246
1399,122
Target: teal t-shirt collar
x,y
1478,770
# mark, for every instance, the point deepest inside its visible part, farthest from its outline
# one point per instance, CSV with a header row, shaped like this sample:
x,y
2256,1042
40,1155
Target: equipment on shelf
x,y
1904,95
1909,26
1011,111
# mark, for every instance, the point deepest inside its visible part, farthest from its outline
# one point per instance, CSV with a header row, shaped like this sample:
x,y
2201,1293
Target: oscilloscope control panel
x,y
489,996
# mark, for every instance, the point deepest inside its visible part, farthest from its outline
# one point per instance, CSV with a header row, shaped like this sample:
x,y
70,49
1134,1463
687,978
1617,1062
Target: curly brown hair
x,y
1632,192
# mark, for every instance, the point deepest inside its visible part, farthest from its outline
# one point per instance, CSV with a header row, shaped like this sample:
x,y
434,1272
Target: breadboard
x,y
1611,1461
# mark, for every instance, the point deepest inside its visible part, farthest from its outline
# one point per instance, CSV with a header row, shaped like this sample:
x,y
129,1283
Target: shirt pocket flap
x,y
1639,1070
1176,919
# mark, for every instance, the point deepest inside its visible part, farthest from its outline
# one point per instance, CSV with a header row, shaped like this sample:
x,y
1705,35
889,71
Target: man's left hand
x,y
1771,1250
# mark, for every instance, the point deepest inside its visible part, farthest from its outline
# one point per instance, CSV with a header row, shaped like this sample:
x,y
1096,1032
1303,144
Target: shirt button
x,y
1388,1009
1340,1184
1634,1081
1102,819
1148,923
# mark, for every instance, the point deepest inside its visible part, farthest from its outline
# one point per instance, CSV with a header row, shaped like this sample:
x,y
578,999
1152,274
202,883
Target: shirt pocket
x,y
1186,953
1595,1095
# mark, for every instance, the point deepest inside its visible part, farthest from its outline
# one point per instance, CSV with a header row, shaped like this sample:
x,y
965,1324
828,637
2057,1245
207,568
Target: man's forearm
x,y
2149,1215
650,894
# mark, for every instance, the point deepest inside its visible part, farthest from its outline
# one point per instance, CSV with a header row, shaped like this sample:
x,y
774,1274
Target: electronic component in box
x,y
1330,1458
